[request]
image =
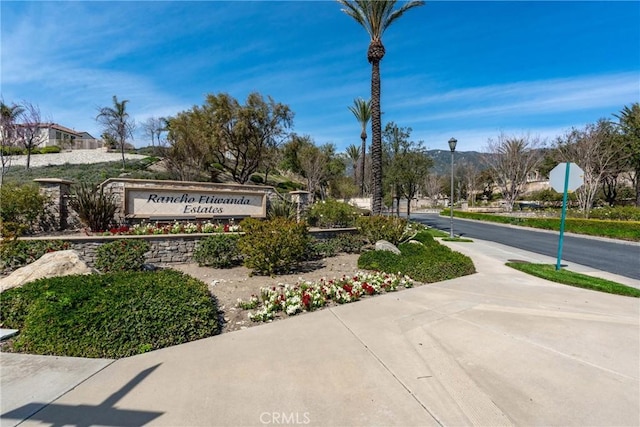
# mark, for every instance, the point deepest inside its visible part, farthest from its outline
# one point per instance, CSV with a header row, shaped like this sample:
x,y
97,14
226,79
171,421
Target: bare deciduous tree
x,y
595,151
432,187
30,131
511,159
314,163
468,176
153,128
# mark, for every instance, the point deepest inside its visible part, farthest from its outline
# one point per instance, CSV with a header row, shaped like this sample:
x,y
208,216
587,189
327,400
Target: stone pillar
x,y
58,191
301,199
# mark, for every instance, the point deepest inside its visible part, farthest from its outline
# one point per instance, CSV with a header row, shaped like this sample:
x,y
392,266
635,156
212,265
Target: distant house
x,y
53,134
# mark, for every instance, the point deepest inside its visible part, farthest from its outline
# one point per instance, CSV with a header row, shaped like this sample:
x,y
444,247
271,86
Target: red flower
x,y
368,288
306,300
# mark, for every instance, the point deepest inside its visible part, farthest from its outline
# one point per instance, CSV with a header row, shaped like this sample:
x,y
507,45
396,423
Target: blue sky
x,y
465,69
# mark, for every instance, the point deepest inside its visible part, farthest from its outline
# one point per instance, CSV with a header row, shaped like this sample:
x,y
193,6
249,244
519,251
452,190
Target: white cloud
x,y
533,98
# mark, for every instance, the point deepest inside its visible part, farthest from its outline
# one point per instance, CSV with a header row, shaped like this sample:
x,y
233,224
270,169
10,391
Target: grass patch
x,y
623,230
566,277
457,239
110,315
427,261
436,233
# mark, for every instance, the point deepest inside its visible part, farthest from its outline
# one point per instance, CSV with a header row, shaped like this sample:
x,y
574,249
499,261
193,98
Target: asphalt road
x,y
606,255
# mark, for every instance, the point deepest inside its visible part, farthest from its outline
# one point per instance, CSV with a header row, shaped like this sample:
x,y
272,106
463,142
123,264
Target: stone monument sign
x,y
180,200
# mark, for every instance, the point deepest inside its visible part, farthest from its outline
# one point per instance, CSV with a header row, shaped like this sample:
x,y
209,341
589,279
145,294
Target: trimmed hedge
x,y
17,253
375,228
274,246
218,251
625,230
111,315
425,260
20,208
121,255
332,214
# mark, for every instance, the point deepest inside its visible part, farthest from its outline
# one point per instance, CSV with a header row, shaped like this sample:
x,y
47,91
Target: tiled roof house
x,y
55,134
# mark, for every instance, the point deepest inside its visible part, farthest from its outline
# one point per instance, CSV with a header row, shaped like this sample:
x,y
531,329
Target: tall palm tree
x,y
10,112
116,122
353,153
362,110
376,16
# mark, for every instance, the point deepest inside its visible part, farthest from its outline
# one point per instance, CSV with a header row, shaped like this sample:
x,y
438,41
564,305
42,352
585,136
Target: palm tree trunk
x,y
122,151
376,140
363,158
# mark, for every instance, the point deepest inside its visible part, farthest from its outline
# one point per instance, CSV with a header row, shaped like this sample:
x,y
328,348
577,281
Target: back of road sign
x,y
557,176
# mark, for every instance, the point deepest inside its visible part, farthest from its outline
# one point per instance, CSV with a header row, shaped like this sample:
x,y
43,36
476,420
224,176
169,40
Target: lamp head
x,y
452,144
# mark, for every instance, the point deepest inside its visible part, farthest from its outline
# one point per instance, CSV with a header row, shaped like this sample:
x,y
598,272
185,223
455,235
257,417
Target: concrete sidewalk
x,y
495,348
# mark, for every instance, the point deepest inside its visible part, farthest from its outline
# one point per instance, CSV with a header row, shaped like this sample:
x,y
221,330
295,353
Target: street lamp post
x,y
452,147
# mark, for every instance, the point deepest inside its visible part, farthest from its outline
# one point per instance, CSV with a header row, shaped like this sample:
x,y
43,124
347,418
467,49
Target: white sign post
x,y
564,178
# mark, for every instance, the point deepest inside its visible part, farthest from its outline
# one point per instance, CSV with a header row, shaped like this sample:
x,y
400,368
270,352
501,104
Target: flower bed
x,y
309,296
177,227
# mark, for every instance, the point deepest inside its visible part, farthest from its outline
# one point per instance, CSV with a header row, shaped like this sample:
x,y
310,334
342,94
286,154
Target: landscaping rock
x,y
53,264
383,245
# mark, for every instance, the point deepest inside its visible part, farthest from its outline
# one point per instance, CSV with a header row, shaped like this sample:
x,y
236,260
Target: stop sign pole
x,y
573,178
564,214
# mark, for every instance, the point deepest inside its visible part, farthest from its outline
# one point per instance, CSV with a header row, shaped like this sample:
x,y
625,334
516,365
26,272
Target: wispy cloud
x,y
71,57
537,97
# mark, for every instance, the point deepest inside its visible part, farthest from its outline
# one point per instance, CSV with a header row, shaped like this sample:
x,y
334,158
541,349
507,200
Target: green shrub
x,y
332,214
218,251
16,253
111,315
385,261
121,255
374,228
617,213
20,207
289,186
427,261
349,243
274,246
95,208
318,249
10,150
50,149
256,179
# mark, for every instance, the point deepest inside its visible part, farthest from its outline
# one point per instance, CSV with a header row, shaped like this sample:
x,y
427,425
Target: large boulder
x,y
52,264
383,245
